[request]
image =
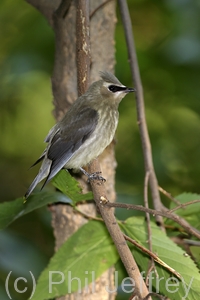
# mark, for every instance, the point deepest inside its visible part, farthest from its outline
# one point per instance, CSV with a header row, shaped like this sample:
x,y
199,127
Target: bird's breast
x,y
101,137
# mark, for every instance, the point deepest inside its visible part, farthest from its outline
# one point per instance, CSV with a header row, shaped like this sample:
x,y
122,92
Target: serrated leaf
x,y
171,254
195,250
191,212
70,187
12,210
84,256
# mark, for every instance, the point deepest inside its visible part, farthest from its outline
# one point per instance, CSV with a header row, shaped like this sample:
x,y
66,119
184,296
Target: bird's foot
x,y
96,176
93,176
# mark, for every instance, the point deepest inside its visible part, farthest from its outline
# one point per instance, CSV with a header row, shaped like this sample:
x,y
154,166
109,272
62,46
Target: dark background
x,y
167,36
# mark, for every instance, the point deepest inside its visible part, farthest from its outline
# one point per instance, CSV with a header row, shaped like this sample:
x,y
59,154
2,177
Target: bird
x,y
86,129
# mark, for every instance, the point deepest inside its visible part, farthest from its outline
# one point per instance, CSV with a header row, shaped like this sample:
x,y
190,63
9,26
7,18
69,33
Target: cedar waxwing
x,y
85,131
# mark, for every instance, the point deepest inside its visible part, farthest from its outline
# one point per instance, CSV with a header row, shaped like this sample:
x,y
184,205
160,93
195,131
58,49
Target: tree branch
x,y
152,255
166,214
146,204
183,205
146,145
83,67
83,46
116,234
168,195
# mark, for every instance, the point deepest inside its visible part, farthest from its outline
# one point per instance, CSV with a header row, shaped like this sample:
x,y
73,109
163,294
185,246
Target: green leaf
x,y
70,187
80,260
171,254
195,250
191,212
12,210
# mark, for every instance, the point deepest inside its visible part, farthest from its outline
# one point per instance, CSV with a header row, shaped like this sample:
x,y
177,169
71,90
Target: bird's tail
x,y
43,172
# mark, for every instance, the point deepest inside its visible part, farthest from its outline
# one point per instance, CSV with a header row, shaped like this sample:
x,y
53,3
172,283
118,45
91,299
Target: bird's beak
x,y
129,90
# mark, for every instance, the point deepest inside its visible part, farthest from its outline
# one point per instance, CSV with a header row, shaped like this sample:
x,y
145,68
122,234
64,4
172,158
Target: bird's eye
x,y
115,88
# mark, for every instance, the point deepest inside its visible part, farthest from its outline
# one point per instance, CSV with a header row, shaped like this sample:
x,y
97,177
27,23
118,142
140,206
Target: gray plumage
x,y
85,131
110,78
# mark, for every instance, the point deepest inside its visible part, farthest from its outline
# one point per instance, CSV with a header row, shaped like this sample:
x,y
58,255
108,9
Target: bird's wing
x,y
47,139
51,133
69,139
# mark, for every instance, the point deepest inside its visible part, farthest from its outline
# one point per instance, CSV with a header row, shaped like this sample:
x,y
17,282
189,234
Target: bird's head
x,y
112,88
108,91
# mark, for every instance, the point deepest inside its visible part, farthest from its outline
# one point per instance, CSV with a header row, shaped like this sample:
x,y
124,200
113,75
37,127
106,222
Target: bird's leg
x,y
93,176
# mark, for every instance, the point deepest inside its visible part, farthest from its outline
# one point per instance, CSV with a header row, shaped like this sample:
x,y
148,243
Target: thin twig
x,y
188,228
183,205
174,228
99,192
168,195
152,255
191,242
146,145
146,204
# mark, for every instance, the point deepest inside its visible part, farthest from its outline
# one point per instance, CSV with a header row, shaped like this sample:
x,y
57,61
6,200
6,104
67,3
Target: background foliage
x,y
167,36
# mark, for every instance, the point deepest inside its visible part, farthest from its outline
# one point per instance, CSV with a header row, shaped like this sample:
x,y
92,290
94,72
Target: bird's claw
x,y
96,176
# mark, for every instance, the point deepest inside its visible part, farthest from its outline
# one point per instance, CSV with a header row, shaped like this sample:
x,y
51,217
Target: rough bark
x,y
62,18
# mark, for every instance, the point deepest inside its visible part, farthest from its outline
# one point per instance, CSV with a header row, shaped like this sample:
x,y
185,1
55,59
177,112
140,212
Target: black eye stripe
x,y
115,88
